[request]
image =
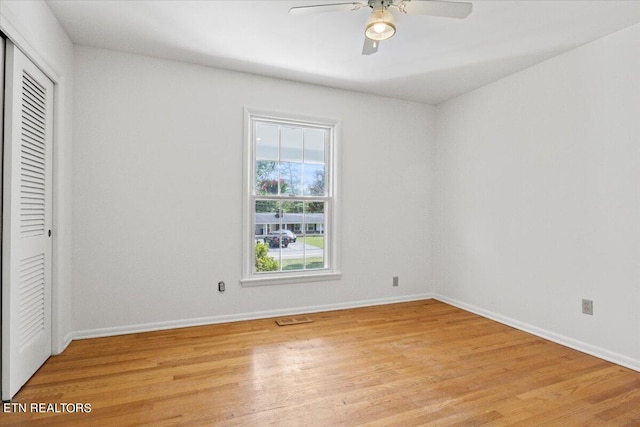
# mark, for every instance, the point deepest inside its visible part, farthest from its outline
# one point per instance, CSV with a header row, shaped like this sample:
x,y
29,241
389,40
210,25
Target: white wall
x,y
33,28
158,203
538,198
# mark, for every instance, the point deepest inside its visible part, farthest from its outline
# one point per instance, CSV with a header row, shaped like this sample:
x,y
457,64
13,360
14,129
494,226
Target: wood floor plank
x,y
416,363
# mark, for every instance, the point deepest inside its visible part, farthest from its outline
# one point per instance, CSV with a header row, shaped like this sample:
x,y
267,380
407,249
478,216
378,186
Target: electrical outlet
x,y
395,281
220,286
587,306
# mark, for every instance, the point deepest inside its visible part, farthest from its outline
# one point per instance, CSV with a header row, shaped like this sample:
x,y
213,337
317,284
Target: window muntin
x,y
291,198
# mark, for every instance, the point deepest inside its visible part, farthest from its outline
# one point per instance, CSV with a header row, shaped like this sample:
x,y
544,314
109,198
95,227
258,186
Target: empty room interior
x,y
309,212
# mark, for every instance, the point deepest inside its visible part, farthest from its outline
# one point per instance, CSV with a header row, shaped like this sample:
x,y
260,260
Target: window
x,y
290,210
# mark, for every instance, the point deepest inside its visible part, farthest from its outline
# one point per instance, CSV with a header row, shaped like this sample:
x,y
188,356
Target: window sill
x,y
290,279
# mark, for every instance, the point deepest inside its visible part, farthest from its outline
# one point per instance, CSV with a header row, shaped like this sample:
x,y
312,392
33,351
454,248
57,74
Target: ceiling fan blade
x,y
447,9
370,46
321,8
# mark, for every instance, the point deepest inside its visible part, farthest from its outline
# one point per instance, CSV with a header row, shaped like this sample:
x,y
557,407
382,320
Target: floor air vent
x,y
293,321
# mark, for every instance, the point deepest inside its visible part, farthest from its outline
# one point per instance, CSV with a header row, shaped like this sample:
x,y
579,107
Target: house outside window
x,y
290,209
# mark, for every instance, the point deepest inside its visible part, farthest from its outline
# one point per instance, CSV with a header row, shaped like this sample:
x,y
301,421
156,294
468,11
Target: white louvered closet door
x,y
26,240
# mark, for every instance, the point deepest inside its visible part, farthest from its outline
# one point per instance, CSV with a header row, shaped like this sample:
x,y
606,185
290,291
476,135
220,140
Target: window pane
x,y
267,251
291,144
293,262
267,137
266,177
314,224
290,208
292,219
314,184
293,254
268,215
314,252
314,217
314,145
291,178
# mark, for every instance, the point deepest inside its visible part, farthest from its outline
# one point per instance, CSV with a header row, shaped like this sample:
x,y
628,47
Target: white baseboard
x,y
172,324
65,343
599,352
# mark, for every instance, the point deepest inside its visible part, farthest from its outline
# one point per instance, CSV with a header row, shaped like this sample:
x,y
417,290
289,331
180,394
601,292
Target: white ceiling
x,y
430,59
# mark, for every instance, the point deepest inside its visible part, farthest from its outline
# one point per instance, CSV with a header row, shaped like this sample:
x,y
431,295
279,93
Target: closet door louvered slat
x,y
26,272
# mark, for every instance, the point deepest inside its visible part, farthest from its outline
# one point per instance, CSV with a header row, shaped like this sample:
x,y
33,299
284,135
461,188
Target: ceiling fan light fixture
x,y
380,25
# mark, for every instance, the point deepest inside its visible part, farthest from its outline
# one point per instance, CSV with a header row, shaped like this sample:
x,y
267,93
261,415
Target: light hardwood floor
x,y
417,363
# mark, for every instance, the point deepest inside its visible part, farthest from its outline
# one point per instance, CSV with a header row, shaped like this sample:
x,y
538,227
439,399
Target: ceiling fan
x,y
381,24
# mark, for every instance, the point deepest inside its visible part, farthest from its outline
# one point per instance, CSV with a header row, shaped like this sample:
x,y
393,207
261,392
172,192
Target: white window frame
x,y
332,224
